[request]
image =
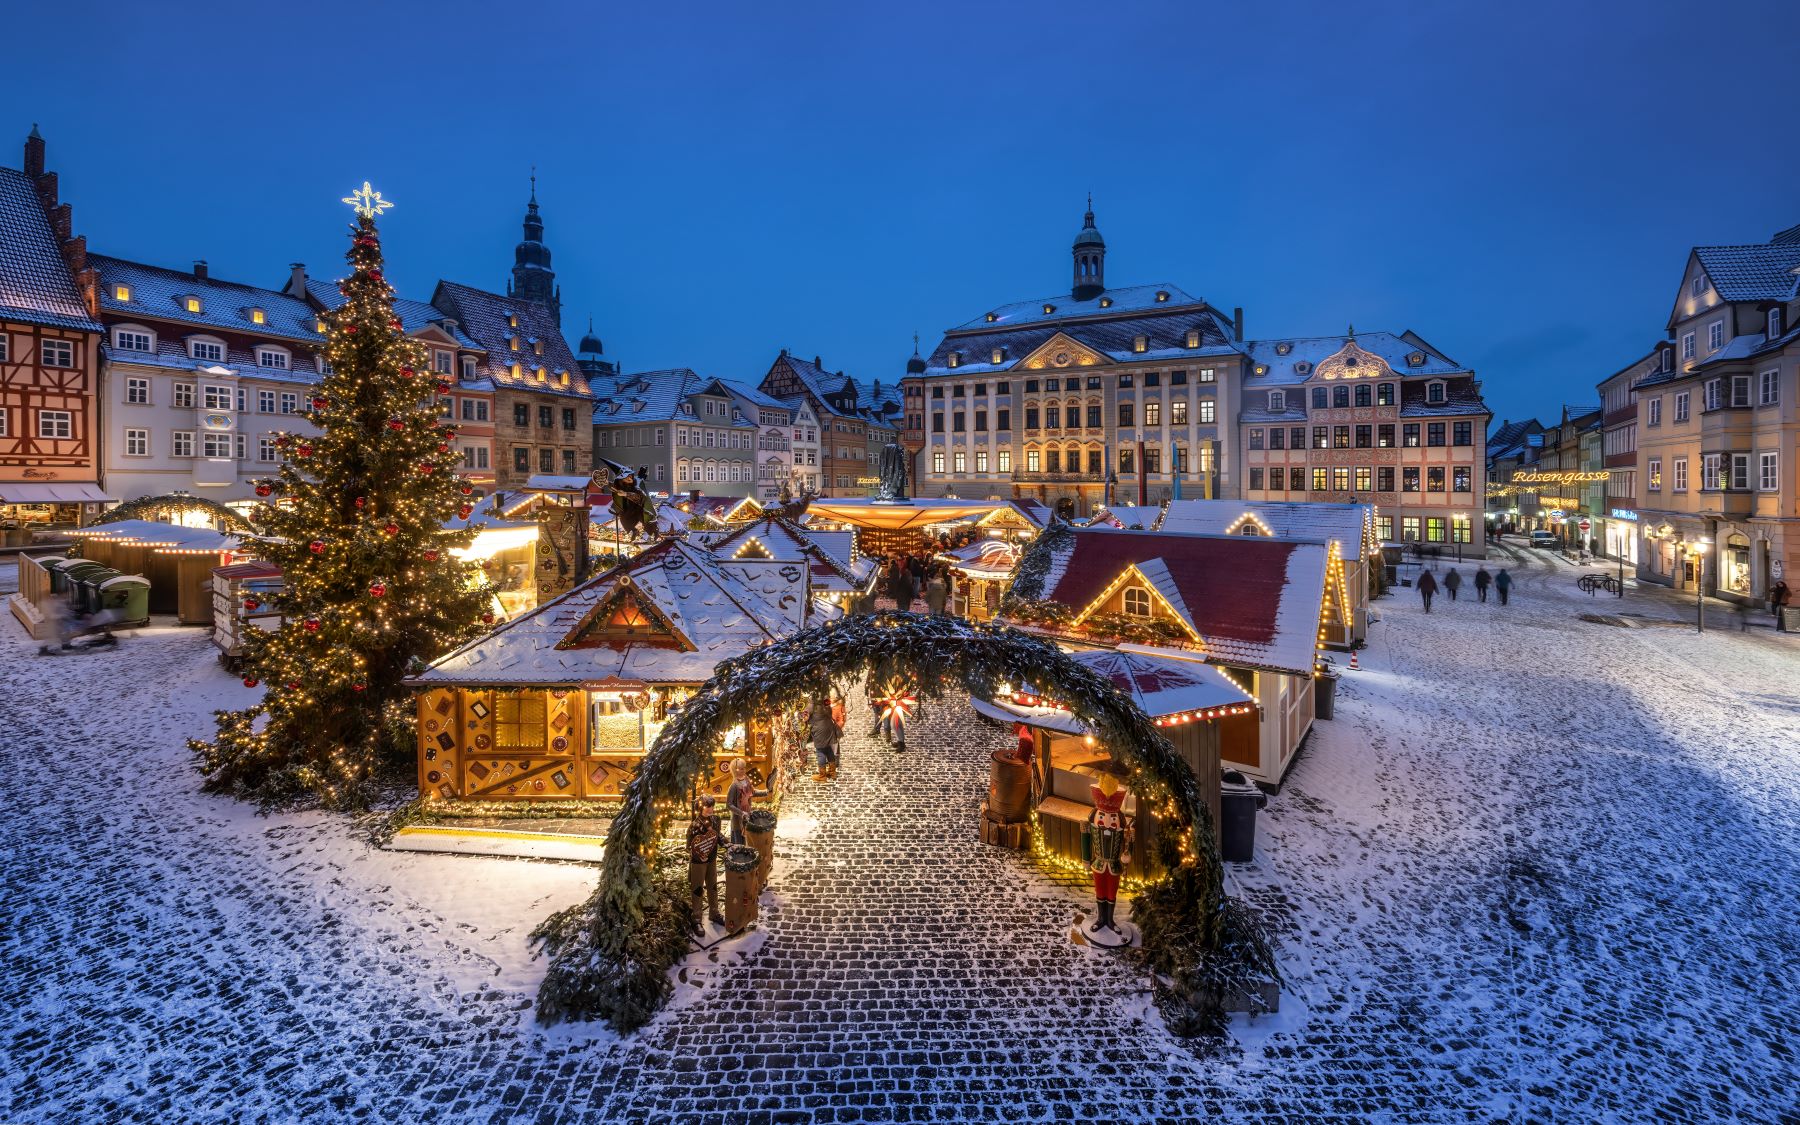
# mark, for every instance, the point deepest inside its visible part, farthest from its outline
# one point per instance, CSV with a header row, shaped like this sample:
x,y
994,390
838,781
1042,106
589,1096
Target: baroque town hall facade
x,y
1144,393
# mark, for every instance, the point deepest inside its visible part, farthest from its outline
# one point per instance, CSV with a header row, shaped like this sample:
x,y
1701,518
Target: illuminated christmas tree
x,y
355,520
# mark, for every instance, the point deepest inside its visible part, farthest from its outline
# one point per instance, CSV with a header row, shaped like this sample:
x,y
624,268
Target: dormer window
x,y
1699,284
191,304
276,358
1048,309
1106,302
257,316
1303,368
512,343
541,375
512,320
1277,400
319,325
563,378
517,371
1193,338
134,339
1434,391
1137,601
206,348
1140,343
999,357
1162,296
468,367
992,317
1415,359
538,347
953,359
1283,349
1774,322
121,292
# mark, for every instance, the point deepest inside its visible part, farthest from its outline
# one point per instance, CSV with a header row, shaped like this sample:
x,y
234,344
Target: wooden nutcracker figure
x,y
1106,847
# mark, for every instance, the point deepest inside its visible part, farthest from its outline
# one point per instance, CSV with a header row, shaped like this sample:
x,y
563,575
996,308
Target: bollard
x,y
759,833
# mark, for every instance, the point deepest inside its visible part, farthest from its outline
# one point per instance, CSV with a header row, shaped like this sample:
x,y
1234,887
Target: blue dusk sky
x,y
1518,183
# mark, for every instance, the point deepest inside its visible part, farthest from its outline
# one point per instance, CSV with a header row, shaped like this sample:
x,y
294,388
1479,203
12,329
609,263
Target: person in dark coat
x,y
1482,581
1427,587
901,589
1502,583
1778,600
826,732
703,858
1452,583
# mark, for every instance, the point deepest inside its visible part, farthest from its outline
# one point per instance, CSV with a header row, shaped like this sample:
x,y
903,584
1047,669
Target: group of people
x,y
705,835
914,578
1428,585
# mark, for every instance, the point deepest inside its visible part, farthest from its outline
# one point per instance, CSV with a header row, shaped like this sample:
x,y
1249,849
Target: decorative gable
x,y
1353,361
1152,577
1061,350
625,616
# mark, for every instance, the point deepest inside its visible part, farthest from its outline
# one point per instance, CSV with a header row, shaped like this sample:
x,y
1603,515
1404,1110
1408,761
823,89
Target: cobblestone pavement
x,y
1538,869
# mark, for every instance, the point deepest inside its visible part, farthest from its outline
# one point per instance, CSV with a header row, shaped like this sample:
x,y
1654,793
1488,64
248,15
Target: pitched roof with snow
x,y
702,611
415,316
1284,362
774,537
488,320
1165,687
1254,601
1128,516
1761,272
661,396
1347,525
36,286
156,293
1112,332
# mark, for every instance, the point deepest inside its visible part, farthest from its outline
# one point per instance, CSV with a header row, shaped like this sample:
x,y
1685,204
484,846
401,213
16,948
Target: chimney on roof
x,y
46,190
296,286
200,269
62,222
34,153
818,363
1237,325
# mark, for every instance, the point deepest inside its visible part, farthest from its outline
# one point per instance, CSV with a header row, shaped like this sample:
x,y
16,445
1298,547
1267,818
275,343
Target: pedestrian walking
x,y
1778,600
1502,583
1427,587
901,589
1482,581
937,594
703,857
825,731
1452,583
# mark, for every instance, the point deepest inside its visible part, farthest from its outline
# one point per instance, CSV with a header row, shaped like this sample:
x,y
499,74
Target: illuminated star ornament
x,y
367,202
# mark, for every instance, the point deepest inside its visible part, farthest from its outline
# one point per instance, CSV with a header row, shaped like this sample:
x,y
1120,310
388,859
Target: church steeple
x,y
1090,258
532,277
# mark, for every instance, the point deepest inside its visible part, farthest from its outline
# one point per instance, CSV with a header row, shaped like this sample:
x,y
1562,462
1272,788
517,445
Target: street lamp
x,y
1458,520
1697,549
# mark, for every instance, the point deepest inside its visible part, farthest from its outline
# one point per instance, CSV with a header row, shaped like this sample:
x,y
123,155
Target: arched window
x,y
1363,395
1250,528
1137,601
1340,396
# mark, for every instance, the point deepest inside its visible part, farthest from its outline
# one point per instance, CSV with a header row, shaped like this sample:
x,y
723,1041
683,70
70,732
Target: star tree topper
x,y
368,201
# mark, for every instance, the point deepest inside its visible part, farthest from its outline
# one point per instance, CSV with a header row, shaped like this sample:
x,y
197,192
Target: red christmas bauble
x,y
264,489
311,624
251,603
349,329
430,556
464,511
320,403
358,686
375,274
467,489
442,448
445,385
361,500
318,546
251,681
392,529
378,590
366,240
407,373
304,451
426,466
293,685
394,324
487,619
396,424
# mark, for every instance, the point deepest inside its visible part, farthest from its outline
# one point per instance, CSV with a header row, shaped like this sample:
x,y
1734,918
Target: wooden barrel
x,y
1009,787
741,886
759,833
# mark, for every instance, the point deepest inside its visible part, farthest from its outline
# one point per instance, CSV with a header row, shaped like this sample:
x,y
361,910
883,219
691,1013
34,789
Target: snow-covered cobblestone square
x,y
1537,869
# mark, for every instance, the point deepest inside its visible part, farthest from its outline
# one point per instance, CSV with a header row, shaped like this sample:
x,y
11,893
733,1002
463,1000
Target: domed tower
x,y
591,355
1090,258
915,365
532,277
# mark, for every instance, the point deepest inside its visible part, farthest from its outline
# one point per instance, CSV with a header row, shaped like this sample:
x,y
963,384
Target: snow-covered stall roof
x,y
989,558
1350,526
774,537
1142,517
667,615
1254,601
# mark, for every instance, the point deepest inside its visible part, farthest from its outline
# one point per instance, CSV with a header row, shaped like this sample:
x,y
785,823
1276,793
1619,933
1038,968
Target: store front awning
x,y
20,492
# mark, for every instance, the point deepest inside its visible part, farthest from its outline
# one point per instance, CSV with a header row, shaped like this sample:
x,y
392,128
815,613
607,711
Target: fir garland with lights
x,y
610,956
162,507
355,519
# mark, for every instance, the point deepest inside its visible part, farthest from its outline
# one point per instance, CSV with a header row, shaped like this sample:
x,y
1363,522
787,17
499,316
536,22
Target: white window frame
x,y
1208,411
181,443
56,425
1710,391
265,402
127,336
1740,390
1769,471
937,461
1769,387
1004,461
137,442
443,361
1655,411
961,461
5,414
1739,480
1711,465
137,390
277,358
185,395
1135,601
210,343
216,396
57,353
290,402
5,346
1682,400
1436,392
1277,400
1653,470
1715,335
1678,469
265,449
1687,345
215,445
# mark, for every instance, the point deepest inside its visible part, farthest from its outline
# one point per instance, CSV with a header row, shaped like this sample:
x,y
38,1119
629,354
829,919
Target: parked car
x,y
1544,539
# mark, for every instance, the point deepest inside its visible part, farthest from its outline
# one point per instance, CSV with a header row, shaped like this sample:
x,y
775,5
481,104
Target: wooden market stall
x,y
563,702
983,570
887,529
178,561
1189,701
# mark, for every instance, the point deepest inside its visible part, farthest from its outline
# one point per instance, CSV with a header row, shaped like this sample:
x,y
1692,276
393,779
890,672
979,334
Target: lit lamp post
x,y
1698,549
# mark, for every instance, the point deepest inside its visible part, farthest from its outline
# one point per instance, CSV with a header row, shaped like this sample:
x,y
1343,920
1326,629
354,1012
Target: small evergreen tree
x,y
355,520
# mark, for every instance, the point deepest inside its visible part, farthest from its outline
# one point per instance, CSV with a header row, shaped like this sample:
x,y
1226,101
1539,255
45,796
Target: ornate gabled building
x,y
856,419
50,442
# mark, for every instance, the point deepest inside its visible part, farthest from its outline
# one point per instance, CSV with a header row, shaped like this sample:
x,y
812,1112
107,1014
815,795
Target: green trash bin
x,y
58,571
128,596
76,572
89,582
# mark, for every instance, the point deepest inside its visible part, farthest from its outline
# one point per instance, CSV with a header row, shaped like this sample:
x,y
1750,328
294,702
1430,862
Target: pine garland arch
x,y
602,966
155,507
